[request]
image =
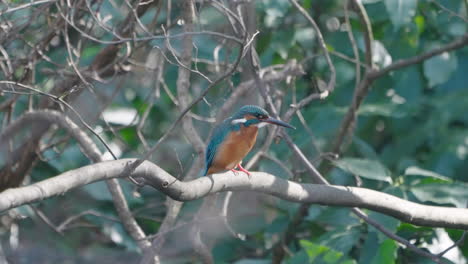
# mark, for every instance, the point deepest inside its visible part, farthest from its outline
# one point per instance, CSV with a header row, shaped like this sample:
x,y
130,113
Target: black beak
x,y
277,122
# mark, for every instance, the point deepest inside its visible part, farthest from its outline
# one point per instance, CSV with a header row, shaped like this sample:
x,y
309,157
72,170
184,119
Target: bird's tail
x,y
203,172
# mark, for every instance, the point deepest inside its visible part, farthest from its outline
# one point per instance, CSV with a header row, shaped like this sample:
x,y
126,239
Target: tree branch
x,y
92,152
183,80
153,175
25,155
270,75
368,36
456,44
323,45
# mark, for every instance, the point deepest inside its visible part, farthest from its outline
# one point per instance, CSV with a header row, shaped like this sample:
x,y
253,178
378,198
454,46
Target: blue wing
x,y
219,134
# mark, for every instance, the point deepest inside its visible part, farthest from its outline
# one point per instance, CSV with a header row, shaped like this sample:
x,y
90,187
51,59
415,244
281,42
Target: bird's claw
x,y
239,166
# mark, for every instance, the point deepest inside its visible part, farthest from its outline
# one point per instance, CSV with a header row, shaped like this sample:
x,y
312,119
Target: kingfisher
x,y
233,139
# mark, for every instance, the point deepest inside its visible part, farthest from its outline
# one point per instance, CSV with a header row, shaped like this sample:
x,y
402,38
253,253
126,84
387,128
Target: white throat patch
x,y
237,121
261,124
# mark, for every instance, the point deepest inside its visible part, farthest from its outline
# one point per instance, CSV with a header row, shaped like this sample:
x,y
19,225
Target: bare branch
x,y
185,111
352,40
350,117
454,45
323,46
368,35
449,11
153,175
93,153
183,80
270,75
14,9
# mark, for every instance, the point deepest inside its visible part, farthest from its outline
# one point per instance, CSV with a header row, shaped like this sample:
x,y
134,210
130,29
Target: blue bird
x,y
233,139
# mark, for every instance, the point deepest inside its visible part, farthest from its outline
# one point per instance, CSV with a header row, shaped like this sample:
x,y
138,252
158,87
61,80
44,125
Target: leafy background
x,y
411,140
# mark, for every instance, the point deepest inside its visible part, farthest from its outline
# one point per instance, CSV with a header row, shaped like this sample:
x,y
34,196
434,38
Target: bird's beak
x,y
277,122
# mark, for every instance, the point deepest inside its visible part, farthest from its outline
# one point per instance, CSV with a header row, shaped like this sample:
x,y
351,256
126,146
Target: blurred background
x,y
129,68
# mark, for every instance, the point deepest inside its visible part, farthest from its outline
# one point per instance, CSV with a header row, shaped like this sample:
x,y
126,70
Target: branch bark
x,y
153,175
183,80
183,86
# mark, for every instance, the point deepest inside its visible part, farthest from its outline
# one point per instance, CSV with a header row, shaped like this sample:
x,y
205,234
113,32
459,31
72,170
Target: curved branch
x,y
153,175
92,152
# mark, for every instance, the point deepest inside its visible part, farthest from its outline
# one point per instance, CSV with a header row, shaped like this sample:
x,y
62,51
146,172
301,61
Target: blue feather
x,y
222,130
219,134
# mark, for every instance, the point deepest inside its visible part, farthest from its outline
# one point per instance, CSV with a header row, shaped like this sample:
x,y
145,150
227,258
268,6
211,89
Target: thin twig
x,y
14,9
454,45
449,11
323,46
352,40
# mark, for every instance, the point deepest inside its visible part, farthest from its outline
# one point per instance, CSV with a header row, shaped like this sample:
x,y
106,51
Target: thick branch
x,y
333,195
183,80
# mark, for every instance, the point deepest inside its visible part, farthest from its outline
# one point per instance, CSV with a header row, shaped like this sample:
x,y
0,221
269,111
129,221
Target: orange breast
x,y
234,148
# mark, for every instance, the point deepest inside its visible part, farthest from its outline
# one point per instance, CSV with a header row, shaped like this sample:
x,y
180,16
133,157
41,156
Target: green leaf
x,y
386,253
332,256
336,217
322,254
341,239
420,23
370,169
439,69
448,193
400,11
365,149
312,249
369,248
299,257
413,170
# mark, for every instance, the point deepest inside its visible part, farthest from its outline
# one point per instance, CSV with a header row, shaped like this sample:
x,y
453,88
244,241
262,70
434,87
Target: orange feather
x,y
234,148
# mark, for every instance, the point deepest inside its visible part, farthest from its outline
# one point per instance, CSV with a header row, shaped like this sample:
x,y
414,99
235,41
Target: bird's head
x,y
252,115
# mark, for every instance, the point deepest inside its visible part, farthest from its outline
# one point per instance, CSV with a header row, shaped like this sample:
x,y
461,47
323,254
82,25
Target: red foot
x,y
239,166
